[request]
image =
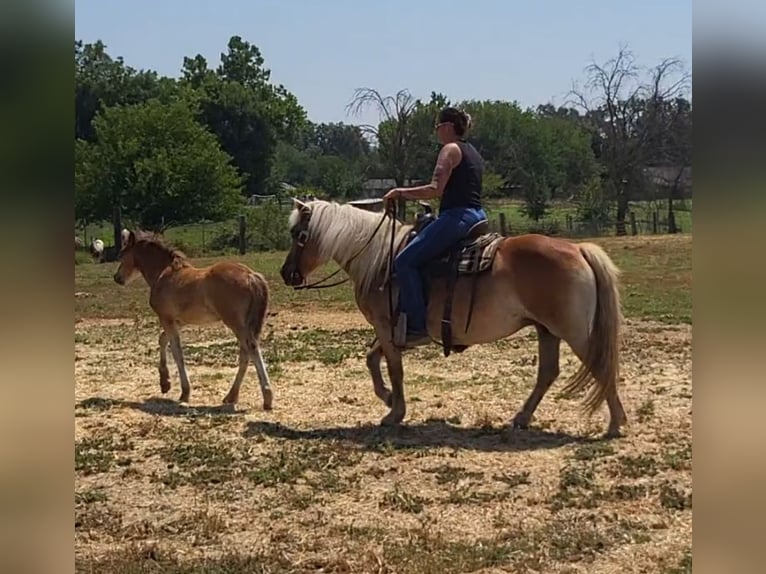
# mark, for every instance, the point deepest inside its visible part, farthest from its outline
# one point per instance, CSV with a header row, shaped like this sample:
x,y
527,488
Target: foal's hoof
x,y
613,433
184,399
230,400
268,397
164,384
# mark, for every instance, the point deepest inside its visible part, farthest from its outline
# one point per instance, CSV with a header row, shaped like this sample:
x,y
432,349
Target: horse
x,y
489,287
181,294
96,250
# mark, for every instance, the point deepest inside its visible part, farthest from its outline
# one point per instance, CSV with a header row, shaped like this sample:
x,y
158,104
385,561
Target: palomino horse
x,y
181,294
565,290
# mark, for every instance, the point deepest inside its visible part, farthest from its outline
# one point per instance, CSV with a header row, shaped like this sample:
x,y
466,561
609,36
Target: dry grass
x,y
316,485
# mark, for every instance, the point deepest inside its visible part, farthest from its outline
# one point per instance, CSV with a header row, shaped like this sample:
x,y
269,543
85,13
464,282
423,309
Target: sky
x,y
322,50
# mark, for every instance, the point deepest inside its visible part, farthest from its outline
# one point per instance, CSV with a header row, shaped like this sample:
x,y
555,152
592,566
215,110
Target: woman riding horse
x,y
456,180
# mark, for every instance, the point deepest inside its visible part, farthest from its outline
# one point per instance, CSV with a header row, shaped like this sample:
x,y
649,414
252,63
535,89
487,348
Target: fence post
x,y
203,238
503,230
633,227
654,222
242,246
570,223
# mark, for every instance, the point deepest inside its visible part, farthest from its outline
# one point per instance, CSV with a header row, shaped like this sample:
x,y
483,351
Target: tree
x,y
101,80
158,164
615,104
394,133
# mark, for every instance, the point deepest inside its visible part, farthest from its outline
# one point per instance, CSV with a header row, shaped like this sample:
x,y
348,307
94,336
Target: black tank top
x,y
463,188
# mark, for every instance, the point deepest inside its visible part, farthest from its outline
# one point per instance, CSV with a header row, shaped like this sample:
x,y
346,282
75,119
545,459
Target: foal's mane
x,y
341,232
157,243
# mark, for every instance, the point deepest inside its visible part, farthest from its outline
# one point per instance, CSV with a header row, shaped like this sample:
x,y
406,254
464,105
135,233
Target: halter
x,y
301,232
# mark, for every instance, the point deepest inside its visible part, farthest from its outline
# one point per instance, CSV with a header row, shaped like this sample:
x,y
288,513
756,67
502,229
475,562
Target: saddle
x,y
471,256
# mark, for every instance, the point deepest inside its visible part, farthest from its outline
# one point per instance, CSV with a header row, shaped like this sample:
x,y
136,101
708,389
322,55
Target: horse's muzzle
x,y
118,279
290,275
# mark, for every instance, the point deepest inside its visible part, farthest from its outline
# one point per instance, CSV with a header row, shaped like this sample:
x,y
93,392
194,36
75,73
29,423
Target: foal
x,y
181,294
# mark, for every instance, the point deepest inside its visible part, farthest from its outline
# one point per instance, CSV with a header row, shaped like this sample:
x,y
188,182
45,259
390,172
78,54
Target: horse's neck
x,y
151,270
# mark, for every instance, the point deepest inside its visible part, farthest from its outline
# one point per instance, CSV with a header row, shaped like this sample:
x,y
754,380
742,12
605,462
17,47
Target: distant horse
x,y
490,288
97,250
181,294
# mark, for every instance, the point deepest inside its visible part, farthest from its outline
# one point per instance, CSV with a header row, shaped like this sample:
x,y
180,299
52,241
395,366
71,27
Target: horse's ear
x,y
131,239
298,204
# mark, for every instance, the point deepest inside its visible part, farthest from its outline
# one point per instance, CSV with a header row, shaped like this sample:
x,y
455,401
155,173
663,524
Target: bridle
x,y
301,234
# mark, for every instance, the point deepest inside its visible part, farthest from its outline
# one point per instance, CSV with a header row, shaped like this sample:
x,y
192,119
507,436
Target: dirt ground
x,y
316,485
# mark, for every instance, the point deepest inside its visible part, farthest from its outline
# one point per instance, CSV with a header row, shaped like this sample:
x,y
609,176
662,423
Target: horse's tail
x,y
602,358
256,311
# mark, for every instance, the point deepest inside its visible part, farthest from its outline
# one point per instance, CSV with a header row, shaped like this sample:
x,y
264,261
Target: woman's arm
x,y
449,157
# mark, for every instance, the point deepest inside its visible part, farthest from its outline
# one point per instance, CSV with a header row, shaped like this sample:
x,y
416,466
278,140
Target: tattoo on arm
x,y
441,172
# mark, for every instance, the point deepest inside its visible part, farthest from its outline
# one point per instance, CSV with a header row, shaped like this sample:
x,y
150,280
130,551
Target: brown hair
x,y
458,118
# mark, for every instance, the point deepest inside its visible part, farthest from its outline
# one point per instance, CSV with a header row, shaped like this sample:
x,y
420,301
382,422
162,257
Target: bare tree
x,y
393,134
628,116
668,125
609,101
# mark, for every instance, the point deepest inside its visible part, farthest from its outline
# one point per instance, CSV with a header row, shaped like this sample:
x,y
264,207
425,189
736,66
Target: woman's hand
x,y
393,194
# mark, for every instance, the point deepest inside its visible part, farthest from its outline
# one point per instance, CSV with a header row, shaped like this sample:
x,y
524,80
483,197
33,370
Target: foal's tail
x,y
602,359
256,311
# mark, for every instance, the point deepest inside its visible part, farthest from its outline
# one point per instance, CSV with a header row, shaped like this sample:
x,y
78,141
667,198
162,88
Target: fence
x,y
264,227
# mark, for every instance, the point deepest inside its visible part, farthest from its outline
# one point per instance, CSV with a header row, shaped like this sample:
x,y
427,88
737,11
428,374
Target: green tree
x,y
101,80
248,115
158,164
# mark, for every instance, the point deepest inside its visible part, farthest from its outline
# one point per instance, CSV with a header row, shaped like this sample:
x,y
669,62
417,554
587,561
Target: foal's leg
x,y
163,367
233,395
547,371
374,356
263,377
396,374
178,355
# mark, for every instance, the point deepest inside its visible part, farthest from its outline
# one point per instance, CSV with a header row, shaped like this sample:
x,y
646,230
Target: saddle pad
x,y
477,256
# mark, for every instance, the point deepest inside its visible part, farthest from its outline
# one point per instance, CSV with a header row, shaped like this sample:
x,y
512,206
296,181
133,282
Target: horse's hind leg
x,y
374,356
163,366
547,371
244,359
263,377
178,356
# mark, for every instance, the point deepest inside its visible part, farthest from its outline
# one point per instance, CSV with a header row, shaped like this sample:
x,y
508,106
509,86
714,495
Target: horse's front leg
x,y
178,355
374,356
396,374
163,366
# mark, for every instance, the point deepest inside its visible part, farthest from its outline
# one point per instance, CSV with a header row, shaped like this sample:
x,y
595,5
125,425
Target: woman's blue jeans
x,y
451,226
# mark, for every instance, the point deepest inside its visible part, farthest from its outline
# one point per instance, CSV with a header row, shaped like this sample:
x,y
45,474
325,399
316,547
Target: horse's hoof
x,y
164,386
184,400
520,424
267,399
611,434
391,420
229,400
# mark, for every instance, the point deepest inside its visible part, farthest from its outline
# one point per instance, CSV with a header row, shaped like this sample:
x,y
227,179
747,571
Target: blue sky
x,y
321,50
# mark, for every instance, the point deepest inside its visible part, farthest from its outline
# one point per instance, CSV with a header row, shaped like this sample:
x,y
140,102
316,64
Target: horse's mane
x,y
342,230
156,242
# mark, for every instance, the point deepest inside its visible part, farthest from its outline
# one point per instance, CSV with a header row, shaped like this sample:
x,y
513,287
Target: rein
x,y
318,284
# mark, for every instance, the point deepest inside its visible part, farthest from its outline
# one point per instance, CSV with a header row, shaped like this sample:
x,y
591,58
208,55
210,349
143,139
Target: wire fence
x,y
263,227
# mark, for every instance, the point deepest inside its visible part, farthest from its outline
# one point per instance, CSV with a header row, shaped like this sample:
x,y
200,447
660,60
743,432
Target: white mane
x,y
341,232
